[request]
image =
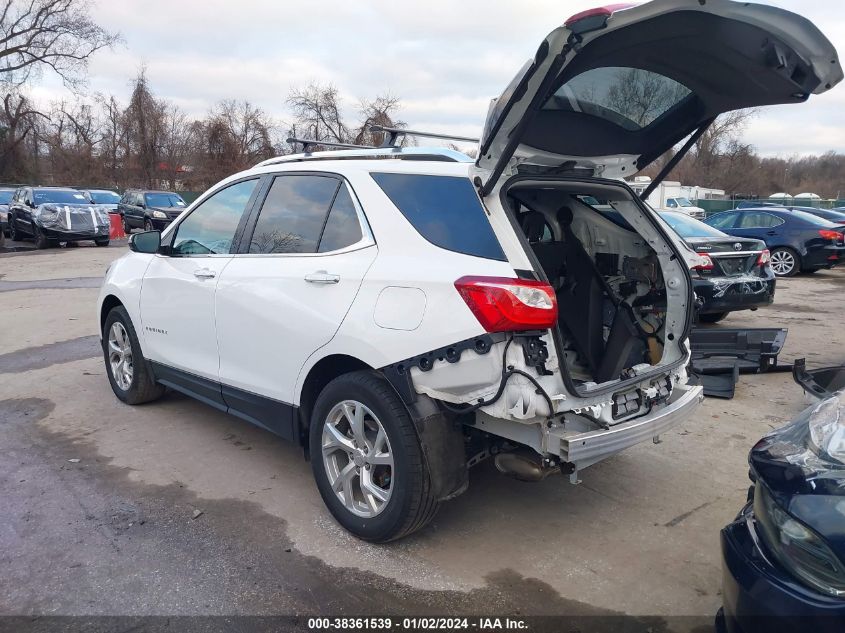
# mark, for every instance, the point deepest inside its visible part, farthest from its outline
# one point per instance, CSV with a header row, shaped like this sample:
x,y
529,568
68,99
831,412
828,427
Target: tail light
x,y
764,257
594,19
834,236
502,304
705,262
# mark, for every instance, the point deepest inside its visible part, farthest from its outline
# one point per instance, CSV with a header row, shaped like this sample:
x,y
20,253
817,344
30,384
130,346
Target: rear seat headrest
x,y
565,216
533,225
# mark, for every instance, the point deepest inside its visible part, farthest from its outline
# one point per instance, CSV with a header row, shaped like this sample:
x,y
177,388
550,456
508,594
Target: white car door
x,y
177,294
286,295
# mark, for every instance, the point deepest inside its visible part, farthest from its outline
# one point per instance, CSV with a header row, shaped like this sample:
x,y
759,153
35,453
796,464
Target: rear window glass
x,y
686,226
814,219
445,210
629,97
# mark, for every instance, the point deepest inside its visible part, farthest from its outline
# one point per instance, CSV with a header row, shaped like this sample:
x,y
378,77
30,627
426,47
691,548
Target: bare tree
x,y
144,120
55,34
318,113
19,121
380,111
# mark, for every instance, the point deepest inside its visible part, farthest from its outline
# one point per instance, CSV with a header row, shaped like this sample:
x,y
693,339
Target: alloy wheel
x,y
357,458
120,356
782,262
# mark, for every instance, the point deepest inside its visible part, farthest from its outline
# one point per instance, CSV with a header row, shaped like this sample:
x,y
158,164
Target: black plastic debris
x,y
754,350
719,355
720,383
822,382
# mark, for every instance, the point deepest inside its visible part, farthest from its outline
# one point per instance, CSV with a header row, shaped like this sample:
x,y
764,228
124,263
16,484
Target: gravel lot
x,y
100,500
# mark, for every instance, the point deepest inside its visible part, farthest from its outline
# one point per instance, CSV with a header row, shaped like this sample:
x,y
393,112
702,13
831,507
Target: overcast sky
x,y
445,59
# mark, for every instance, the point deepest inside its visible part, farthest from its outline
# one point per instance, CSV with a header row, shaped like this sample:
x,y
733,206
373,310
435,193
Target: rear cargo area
x,y
622,294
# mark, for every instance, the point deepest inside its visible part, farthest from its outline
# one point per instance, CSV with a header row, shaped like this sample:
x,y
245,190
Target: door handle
x,y
771,233
322,277
204,273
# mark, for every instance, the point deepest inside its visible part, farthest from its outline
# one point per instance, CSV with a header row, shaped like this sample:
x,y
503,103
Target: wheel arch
x,y
322,373
110,302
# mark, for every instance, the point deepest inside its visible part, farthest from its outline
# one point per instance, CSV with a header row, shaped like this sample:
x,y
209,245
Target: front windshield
x,y
684,202
163,200
104,197
58,196
685,226
6,196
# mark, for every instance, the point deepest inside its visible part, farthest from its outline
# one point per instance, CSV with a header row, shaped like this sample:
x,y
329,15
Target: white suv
x,y
404,313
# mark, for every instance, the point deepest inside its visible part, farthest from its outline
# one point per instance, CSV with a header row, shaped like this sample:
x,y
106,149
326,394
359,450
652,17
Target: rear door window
x,y
445,210
293,214
343,227
754,220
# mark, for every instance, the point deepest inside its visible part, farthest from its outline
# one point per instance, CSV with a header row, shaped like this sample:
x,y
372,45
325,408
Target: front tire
x,y
785,262
367,459
128,371
148,225
101,242
126,228
13,231
41,240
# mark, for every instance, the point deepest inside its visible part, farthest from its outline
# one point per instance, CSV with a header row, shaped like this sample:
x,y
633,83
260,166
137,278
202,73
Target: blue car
x,y
782,557
798,241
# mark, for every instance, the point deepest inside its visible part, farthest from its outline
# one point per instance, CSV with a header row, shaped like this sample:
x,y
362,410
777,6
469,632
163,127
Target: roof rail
x,y
392,135
308,142
437,154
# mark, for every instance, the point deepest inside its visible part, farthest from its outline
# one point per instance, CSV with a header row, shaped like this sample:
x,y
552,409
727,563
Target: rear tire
x,y
785,262
713,317
337,449
132,381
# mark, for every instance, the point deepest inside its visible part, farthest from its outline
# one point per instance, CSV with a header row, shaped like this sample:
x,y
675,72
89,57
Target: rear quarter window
x,y
445,210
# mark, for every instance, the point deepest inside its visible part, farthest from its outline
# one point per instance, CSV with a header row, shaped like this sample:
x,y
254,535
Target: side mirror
x,y
143,205
146,242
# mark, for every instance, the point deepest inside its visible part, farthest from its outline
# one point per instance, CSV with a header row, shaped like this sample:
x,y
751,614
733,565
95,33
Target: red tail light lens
x,y
599,12
502,304
834,236
764,258
704,262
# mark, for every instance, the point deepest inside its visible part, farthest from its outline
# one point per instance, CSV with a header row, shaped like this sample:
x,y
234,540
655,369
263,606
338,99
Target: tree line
x,y
144,140
148,141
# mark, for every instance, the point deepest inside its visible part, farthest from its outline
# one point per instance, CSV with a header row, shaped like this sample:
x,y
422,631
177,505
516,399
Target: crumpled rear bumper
x,y
583,449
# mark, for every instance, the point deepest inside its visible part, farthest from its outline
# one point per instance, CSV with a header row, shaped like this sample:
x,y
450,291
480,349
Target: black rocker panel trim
x,y
275,416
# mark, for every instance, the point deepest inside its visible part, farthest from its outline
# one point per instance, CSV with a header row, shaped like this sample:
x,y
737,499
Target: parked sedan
x,y
798,241
732,274
148,210
50,215
782,557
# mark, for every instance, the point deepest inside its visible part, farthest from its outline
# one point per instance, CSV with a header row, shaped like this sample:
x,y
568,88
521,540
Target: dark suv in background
x,y
149,209
6,194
